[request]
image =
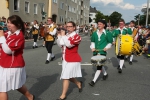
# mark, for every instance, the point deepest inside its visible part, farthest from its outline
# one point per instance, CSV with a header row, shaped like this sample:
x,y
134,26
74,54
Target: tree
x,y
90,19
99,16
114,18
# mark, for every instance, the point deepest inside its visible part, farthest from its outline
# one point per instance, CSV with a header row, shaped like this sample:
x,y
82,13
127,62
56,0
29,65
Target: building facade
x,y
73,10
4,8
29,10
92,14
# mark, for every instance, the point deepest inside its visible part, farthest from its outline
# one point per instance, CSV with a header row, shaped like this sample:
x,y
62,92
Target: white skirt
x,y
70,70
11,78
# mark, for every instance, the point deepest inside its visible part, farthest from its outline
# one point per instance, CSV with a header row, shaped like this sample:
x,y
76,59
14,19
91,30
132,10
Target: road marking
x,y
85,63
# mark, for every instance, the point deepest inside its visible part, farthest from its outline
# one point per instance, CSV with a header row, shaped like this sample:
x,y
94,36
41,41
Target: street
x,y
43,80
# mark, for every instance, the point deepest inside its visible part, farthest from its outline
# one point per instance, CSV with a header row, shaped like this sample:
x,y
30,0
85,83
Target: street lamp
x,y
147,12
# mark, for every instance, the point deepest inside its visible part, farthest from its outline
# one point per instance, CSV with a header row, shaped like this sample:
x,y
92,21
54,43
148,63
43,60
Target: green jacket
x,y
105,38
124,32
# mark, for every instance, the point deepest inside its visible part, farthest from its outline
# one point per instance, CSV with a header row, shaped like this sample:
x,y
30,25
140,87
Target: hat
x,y
104,22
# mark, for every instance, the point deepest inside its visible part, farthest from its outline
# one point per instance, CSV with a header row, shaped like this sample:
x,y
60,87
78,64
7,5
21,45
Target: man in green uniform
x,y
101,40
121,31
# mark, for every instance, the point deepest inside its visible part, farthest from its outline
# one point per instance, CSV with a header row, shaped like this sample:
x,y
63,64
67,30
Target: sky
x,y
128,8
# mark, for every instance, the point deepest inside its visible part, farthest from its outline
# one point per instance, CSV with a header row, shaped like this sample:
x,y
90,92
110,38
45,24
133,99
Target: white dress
x,y
11,78
69,69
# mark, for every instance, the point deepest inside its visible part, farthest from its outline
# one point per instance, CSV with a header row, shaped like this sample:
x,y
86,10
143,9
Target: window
x,y
16,5
91,14
61,5
54,1
61,18
27,7
35,8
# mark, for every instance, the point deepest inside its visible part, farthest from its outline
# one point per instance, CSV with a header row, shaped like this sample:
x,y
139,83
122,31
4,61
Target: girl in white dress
x,y
12,70
71,59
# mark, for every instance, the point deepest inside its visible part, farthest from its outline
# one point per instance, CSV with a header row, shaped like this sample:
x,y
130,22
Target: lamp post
x,y
147,12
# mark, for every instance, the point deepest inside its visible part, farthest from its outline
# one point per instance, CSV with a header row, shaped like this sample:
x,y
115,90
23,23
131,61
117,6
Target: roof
x,y
93,10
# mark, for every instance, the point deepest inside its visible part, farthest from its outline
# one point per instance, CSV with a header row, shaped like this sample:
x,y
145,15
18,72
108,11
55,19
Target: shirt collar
x,y
17,32
71,34
122,28
104,31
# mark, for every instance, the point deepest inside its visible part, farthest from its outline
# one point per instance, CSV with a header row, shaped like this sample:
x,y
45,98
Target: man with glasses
x,y
50,31
121,31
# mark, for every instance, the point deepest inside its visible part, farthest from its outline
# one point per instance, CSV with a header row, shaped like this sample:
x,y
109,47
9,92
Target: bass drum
x,y
124,45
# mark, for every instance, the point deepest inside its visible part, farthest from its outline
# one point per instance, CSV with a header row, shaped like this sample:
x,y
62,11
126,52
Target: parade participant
x,y
121,31
50,31
100,40
12,70
132,24
71,59
35,31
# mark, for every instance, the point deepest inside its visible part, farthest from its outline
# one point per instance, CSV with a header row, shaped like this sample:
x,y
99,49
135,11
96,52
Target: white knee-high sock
x,y
121,63
104,71
52,55
131,57
34,44
96,75
48,56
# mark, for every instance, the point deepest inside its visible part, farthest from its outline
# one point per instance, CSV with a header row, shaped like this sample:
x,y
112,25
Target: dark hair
x,y
50,19
132,21
73,24
17,21
122,20
36,21
104,22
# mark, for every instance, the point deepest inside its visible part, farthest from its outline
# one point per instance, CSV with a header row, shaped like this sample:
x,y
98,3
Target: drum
x,y
98,60
124,45
134,32
137,49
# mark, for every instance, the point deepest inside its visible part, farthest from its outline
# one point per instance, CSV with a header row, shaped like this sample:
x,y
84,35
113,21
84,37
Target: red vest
x,y
16,44
71,54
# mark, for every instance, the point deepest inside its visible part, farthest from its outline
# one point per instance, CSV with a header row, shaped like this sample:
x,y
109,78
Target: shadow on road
x,y
42,85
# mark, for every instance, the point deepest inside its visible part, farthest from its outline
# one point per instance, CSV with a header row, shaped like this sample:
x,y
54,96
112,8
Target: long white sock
x,y
34,44
96,75
52,55
121,63
48,56
131,57
104,71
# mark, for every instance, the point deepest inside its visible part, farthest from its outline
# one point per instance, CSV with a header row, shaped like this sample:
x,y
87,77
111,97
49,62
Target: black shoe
x,y
36,46
33,47
118,67
119,70
105,77
130,62
125,59
80,89
46,62
52,58
92,83
43,45
61,98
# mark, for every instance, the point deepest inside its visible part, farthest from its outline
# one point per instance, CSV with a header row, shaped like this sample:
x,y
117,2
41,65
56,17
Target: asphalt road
x,y
43,80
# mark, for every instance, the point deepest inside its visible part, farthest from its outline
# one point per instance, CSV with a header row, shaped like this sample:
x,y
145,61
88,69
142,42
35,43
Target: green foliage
x,y
114,18
99,16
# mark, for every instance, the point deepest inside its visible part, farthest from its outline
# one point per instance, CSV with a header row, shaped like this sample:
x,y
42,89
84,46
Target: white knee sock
x,y
131,58
52,55
34,44
121,63
104,71
96,75
48,56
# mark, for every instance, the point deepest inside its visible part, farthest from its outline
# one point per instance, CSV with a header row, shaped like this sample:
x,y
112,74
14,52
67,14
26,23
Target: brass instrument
x,y
135,31
47,29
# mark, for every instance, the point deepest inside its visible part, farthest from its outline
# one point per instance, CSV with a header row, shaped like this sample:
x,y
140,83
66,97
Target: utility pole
x,y
139,19
147,12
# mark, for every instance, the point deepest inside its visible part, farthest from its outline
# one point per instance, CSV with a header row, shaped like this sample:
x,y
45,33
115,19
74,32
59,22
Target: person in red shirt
x,y
71,67
12,70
